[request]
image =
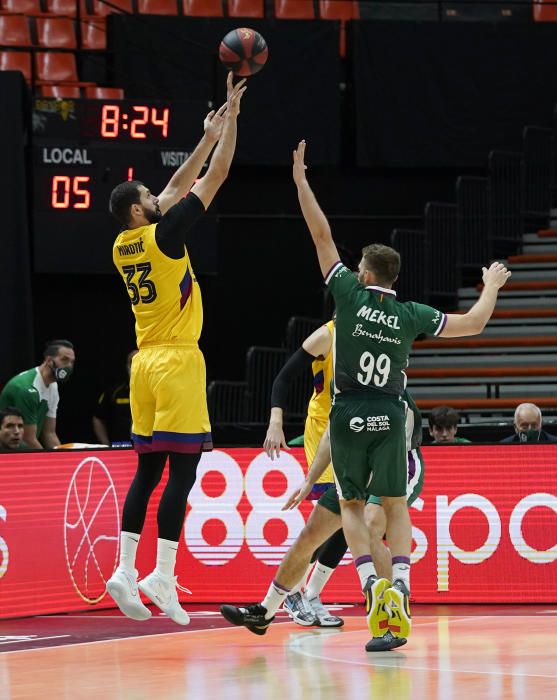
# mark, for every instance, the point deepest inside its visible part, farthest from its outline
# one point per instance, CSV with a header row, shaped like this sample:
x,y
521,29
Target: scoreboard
x,y
81,150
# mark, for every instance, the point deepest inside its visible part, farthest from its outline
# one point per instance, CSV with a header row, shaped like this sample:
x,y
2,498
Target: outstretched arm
x,y
475,319
318,466
315,218
208,186
183,179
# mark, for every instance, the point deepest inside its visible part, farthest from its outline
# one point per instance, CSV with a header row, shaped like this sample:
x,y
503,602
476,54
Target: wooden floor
x,y
466,652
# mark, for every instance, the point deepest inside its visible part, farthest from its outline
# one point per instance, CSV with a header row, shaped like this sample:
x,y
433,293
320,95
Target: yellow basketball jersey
x,y
319,405
164,293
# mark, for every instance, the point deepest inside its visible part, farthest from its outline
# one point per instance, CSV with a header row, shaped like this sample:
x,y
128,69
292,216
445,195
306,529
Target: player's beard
x,y
152,216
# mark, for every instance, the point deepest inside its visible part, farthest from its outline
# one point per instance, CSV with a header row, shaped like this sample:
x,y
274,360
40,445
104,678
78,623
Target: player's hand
x,y
214,122
274,440
297,496
234,94
496,275
230,87
299,167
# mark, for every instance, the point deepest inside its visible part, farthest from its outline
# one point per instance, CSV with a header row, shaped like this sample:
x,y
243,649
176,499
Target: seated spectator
x,y
11,429
112,419
528,426
35,393
443,425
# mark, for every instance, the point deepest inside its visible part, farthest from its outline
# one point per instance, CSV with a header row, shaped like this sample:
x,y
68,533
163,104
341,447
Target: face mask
x,y
530,435
61,374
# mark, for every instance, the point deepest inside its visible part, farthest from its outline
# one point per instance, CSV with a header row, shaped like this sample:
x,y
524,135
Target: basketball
x,y
243,51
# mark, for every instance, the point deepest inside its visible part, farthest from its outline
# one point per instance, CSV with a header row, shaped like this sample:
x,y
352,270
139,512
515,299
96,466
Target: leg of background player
x,y
320,526
330,555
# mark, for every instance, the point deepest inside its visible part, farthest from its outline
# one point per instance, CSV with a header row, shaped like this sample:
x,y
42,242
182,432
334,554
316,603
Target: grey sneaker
x,y
324,617
297,606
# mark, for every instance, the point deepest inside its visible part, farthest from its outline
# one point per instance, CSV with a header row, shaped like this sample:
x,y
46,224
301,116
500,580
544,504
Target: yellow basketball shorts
x,y
313,432
168,400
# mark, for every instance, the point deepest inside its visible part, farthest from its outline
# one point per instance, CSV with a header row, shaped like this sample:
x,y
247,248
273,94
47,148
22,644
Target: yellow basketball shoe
x,y
397,605
377,616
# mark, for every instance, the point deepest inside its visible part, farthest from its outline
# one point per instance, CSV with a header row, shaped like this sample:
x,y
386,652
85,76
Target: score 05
x,y
113,120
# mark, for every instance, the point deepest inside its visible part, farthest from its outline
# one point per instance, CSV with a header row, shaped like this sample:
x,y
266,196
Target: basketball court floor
x,y
455,652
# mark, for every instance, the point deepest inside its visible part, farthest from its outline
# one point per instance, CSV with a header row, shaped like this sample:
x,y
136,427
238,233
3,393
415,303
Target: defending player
x,y
315,353
373,338
167,387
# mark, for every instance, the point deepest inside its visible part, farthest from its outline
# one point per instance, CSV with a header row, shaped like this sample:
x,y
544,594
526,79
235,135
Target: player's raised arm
x,y
475,319
208,186
313,214
182,180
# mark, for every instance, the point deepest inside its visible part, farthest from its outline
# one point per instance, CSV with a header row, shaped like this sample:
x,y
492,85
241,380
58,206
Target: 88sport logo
x,y
228,507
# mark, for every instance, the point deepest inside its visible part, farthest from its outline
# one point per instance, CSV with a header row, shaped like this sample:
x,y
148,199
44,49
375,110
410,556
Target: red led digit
x,y
60,195
110,121
163,122
139,121
85,203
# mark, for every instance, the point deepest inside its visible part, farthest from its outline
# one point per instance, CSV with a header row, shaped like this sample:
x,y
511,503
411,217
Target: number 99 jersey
x,y
165,296
374,334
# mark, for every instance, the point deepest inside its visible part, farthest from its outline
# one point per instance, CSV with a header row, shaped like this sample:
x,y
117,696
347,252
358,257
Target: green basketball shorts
x,y
368,445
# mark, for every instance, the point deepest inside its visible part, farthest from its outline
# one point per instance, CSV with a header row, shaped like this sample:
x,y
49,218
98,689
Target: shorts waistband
x,y
182,344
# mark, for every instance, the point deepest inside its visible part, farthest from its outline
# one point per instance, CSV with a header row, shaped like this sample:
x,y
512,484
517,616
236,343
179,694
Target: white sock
x,y
128,550
365,569
166,557
321,574
402,573
274,599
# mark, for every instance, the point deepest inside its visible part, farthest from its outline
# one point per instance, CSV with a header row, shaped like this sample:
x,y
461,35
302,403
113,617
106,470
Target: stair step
x,y
463,372
525,313
520,259
524,301
490,404
483,342
540,247
530,285
521,327
514,357
533,275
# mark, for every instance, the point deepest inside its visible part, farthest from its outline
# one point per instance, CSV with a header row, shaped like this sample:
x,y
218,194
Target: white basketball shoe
x,y
162,591
122,588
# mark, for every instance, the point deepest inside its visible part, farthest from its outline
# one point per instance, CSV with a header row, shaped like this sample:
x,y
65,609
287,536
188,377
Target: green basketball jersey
x,y
374,334
27,392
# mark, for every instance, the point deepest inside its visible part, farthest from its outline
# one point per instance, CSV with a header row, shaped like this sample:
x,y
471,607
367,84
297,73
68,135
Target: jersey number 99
x,y
368,364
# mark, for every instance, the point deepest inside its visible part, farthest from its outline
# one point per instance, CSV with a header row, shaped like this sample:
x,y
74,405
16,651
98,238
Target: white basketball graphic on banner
x,y
91,529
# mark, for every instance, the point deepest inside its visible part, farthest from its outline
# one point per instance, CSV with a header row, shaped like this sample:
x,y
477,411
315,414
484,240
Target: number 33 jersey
x,y
374,334
165,296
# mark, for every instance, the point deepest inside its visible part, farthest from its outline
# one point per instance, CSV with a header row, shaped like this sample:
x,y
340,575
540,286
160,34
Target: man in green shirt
x,y
35,393
443,425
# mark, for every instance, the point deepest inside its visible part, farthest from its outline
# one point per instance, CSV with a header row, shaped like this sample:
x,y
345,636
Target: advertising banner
x,y
485,527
